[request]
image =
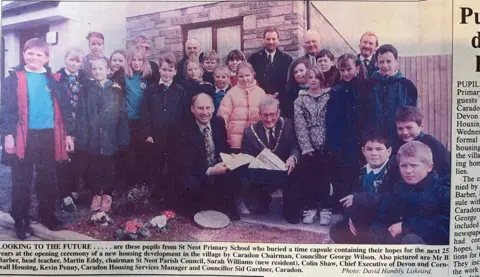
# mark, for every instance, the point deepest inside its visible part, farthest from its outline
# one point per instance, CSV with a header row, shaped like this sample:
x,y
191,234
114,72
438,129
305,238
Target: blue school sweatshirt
x,y
40,103
134,92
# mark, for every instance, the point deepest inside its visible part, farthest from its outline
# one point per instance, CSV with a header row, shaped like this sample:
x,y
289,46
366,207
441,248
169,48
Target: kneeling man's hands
x,y
347,201
290,164
395,229
218,169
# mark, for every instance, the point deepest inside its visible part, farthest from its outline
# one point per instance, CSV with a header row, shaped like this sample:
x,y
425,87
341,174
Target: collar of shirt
x,y
43,70
201,126
165,84
375,170
70,73
219,89
369,58
273,53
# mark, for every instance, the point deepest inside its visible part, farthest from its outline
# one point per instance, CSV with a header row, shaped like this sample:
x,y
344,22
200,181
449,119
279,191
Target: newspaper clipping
x,y
240,138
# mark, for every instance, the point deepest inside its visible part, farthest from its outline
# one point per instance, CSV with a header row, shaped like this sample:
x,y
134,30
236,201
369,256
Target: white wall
x,y
415,28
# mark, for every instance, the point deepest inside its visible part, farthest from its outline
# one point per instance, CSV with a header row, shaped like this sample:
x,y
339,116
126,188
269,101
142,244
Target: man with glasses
x,y
278,135
193,52
144,42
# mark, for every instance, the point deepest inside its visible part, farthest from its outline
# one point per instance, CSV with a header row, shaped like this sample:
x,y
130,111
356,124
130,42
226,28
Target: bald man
x,y
311,41
193,52
206,182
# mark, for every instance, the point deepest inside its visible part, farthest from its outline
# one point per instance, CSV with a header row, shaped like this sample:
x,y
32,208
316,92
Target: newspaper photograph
x,y
240,138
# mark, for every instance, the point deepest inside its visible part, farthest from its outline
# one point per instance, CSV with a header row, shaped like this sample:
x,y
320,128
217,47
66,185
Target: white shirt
x,y
369,59
273,54
375,170
219,89
70,73
43,70
165,84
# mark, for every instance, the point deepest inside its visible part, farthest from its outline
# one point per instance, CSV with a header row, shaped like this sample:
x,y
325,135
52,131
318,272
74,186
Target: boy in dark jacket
x,y
102,130
418,209
409,122
376,178
388,90
36,131
162,116
72,78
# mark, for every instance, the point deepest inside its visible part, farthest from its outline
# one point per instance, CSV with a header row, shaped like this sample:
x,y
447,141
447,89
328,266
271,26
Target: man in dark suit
x,y
368,45
311,41
278,135
271,64
206,182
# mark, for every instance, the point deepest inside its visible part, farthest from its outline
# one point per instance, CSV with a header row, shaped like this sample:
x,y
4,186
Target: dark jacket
x,y
208,77
385,180
154,78
163,113
332,77
271,77
345,120
385,96
102,124
423,209
10,118
287,99
193,155
372,65
181,66
254,140
73,90
218,97
193,87
441,157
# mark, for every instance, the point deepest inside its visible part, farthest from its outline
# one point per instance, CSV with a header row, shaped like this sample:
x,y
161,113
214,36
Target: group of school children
x,y
116,120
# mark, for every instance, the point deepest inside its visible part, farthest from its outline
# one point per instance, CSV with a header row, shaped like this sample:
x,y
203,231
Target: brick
x,y
238,5
159,42
230,13
292,16
251,36
288,27
284,35
253,31
215,12
203,14
161,24
281,10
298,7
150,25
173,40
249,22
181,20
196,9
291,47
272,21
262,16
150,33
172,13
252,43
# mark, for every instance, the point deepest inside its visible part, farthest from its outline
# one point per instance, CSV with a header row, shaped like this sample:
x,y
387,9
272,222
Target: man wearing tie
x,y
368,45
206,182
312,45
271,64
278,135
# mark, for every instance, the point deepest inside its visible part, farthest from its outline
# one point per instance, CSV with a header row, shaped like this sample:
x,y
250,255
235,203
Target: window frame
x,y
214,24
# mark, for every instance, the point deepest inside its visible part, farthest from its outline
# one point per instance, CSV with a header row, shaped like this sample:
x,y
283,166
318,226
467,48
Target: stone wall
x,y
165,28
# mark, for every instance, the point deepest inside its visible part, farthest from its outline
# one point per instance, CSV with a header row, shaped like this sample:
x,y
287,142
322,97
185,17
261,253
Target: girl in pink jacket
x,y
239,107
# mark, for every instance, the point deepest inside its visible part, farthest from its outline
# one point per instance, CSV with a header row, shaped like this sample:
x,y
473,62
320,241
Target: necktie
x,y
312,61
269,58
208,147
71,78
271,140
366,62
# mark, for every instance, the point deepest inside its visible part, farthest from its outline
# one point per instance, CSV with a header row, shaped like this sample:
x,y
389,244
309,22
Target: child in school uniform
x,y
344,122
222,85
72,79
194,83
387,91
102,130
234,58
163,113
297,81
95,45
136,163
409,122
37,132
376,178
210,62
326,63
417,211
310,111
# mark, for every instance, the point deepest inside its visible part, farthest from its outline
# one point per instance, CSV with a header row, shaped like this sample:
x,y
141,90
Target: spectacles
x,y
267,115
146,48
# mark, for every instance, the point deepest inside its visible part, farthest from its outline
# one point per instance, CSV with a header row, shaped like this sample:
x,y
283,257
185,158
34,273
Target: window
x,y
221,36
